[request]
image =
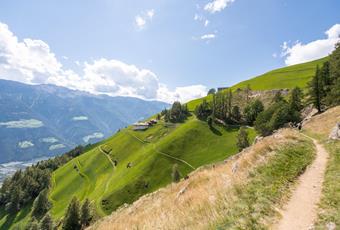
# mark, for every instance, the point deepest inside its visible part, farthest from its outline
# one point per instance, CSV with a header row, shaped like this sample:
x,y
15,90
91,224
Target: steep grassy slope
x,y
151,153
239,194
283,78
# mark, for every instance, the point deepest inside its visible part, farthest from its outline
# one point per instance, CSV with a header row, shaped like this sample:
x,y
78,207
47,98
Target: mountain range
x,y
44,120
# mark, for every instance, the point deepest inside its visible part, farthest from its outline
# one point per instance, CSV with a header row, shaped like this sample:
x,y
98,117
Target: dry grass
x,y
321,125
198,201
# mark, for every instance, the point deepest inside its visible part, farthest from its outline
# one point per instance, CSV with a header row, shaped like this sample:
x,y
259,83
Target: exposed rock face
x,y
335,134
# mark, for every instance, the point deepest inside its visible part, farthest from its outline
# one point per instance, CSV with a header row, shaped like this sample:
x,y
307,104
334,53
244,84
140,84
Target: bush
x,y
242,139
252,110
176,177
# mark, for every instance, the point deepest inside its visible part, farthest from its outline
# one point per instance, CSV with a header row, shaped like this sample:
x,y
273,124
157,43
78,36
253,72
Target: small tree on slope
x,y
86,213
242,139
41,204
46,223
175,174
72,217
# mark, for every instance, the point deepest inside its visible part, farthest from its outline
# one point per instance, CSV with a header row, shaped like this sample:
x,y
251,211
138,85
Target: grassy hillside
x,y
151,153
239,194
283,78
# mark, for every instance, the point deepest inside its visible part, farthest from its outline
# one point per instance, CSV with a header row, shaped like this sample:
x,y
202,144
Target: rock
x,y
234,168
257,139
331,226
182,191
335,134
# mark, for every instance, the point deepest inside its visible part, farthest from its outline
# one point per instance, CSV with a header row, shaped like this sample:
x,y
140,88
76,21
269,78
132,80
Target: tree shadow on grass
x,y
215,131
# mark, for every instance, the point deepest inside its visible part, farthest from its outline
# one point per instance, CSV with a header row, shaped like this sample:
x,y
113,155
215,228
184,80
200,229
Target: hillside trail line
x,y
162,153
300,213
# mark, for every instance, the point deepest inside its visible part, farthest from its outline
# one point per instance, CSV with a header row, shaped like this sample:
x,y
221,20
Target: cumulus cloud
x,y
25,144
217,5
21,124
183,94
32,62
49,140
299,52
93,136
143,18
80,118
55,147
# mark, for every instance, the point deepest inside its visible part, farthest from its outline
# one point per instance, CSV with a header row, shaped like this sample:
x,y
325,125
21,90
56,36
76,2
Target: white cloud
x,y
25,144
21,124
144,17
217,5
202,19
49,140
55,147
93,136
32,62
299,52
80,118
183,94
208,36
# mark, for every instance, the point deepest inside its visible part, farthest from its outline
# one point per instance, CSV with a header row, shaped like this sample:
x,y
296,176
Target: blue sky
x,y
159,49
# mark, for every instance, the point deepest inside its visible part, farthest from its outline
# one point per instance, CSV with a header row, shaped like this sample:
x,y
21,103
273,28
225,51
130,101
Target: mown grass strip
x,y
252,205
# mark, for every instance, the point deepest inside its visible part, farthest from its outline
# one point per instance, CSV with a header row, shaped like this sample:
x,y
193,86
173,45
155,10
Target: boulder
x,y
335,133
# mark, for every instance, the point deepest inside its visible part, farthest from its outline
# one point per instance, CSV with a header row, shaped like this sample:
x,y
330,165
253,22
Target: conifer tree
x,y
175,174
32,225
72,217
46,223
41,204
334,71
316,90
86,213
242,139
295,99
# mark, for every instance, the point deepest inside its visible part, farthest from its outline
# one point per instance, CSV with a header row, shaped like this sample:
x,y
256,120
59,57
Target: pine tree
x,y
86,213
236,114
176,177
46,223
248,92
32,225
211,91
72,217
334,71
252,110
15,197
41,204
295,99
242,139
316,90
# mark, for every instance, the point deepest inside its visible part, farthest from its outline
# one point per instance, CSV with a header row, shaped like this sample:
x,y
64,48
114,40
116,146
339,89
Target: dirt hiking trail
x,y
300,212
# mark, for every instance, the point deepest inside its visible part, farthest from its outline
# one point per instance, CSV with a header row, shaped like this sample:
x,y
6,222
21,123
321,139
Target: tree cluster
x,y
78,216
225,108
25,186
324,88
279,113
177,113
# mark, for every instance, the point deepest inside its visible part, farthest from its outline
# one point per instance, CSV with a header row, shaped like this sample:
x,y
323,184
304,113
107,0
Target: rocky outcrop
x,y
335,134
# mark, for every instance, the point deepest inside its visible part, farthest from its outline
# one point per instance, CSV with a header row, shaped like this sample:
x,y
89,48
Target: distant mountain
x,y
44,120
